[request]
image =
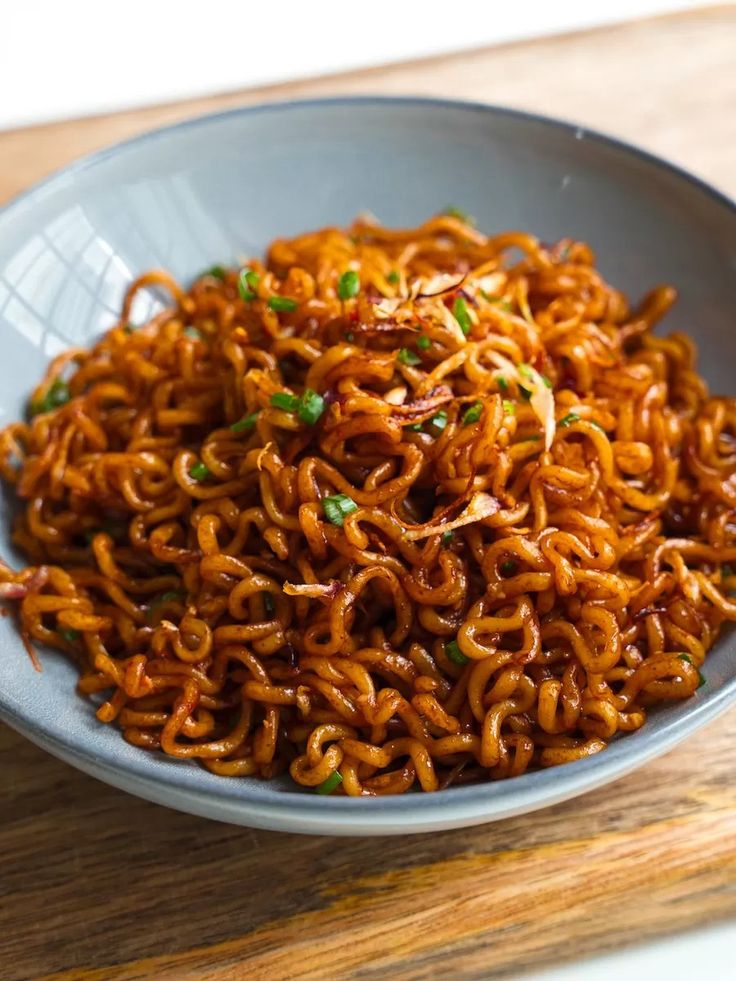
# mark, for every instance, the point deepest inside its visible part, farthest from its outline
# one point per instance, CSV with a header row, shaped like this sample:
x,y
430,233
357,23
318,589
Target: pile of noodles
x,y
391,509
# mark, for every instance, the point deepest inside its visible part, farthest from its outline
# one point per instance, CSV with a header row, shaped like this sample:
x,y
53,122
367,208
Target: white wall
x,y
61,58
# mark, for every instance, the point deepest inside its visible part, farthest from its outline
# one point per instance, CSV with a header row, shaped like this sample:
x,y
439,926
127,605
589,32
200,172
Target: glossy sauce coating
x,y
394,509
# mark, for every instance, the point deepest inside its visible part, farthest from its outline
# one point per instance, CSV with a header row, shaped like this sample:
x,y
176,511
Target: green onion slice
x,y
310,407
453,212
454,653
248,282
348,285
331,783
337,507
57,395
461,314
439,420
473,414
282,304
245,424
405,356
217,272
285,401
199,471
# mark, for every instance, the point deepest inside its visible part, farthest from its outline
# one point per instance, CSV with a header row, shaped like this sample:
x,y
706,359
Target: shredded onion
x,y
481,506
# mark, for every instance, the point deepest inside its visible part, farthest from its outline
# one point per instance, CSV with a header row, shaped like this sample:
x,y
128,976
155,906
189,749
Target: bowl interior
x,y
222,187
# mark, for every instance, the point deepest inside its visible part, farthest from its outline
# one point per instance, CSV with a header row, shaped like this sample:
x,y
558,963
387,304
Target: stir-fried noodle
x,y
393,509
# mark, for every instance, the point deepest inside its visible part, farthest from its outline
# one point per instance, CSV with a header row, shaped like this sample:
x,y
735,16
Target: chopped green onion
x,y
508,407
508,567
348,285
199,471
416,427
310,407
331,783
568,420
502,383
454,653
394,276
460,313
685,657
285,401
405,356
129,328
268,604
452,212
193,333
525,393
473,414
217,272
282,304
248,282
447,537
70,636
57,395
439,420
338,507
245,424
423,342
597,425
546,381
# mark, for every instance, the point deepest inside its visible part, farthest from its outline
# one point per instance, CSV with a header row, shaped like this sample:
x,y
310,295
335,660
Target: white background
x,y
61,58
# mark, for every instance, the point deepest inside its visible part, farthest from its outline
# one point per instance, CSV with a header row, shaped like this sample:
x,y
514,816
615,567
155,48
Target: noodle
x,y
392,510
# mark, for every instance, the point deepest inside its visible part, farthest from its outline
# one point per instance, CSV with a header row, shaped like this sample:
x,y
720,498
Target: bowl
x,y
217,187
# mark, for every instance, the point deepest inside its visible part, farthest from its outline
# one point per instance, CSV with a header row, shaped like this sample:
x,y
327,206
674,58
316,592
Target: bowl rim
x,y
191,788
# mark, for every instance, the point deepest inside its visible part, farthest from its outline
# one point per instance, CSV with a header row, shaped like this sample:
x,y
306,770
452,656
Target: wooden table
x,y
95,884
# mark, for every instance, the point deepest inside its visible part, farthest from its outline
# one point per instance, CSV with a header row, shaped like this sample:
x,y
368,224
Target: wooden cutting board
x,y
95,884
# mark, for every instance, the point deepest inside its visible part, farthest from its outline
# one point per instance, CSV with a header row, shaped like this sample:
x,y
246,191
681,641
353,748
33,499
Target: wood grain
x,y
98,885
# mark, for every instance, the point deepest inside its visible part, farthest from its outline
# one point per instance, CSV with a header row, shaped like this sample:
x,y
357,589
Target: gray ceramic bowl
x,y
210,189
